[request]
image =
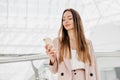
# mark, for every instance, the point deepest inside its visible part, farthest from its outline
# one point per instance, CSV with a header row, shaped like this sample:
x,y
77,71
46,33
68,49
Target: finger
x,y
46,46
50,49
50,46
52,54
53,51
49,52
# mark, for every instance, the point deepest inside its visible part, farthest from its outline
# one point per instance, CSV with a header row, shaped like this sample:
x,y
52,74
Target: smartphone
x,y
47,40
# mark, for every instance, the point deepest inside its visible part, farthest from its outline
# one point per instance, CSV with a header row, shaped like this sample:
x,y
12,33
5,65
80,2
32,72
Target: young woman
x,y
72,55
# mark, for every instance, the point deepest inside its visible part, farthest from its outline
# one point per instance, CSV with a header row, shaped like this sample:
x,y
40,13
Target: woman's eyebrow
x,y
67,16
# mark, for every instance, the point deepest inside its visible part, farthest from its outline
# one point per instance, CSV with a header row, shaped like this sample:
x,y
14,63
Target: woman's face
x,y
68,22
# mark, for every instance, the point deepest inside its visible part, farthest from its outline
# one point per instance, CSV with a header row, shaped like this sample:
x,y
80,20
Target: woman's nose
x,y
66,21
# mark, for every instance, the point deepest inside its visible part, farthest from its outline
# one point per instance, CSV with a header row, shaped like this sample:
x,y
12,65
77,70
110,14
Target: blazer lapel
x,y
68,64
86,70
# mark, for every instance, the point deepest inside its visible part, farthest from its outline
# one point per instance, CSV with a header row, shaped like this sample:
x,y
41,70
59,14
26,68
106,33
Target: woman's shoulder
x,y
89,42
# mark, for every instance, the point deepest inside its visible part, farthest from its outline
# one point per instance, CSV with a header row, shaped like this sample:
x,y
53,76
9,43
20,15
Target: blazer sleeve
x,y
94,61
54,67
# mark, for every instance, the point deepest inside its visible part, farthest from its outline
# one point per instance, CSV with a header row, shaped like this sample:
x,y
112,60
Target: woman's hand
x,y
50,50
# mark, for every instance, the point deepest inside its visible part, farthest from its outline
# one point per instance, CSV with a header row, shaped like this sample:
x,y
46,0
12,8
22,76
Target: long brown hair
x,y
81,43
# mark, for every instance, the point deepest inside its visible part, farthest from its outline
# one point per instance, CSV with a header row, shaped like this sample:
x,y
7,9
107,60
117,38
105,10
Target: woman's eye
x,y
67,19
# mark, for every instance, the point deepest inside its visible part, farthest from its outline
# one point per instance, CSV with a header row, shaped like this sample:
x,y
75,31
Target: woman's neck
x,y
72,39
71,35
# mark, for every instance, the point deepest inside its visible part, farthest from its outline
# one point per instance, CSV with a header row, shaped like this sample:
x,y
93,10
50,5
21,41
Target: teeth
x,y
68,25
47,40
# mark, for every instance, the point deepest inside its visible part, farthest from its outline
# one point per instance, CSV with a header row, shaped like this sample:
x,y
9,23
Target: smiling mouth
x,y
67,25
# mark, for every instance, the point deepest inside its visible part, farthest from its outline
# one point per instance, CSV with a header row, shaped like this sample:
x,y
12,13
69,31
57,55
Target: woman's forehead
x,y
67,14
